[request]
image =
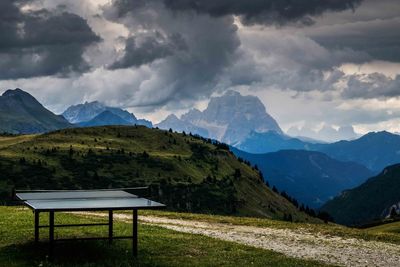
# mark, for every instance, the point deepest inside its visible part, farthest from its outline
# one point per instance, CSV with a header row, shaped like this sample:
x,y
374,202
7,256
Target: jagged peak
x,y
92,103
171,117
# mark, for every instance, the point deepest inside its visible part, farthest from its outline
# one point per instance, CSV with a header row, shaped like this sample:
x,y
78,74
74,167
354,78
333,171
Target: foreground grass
x,y
157,246
386,233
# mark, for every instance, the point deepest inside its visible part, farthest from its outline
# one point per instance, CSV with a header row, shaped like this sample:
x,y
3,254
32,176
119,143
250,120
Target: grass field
x,y
157,246
389,228
185,172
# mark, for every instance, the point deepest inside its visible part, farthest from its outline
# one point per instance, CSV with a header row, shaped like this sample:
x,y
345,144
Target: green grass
x,y
157,246
393,228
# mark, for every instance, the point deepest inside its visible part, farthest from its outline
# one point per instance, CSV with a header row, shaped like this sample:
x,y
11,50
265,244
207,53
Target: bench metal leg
x,y
51,234
135,233
36,226
110,226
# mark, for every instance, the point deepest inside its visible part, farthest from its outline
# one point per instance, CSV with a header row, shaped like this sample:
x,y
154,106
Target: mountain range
x,y
375,150
326,133
21,113
105,118
315,173
311,177
310,171
173,122
97,114
370,201
229,118
258,143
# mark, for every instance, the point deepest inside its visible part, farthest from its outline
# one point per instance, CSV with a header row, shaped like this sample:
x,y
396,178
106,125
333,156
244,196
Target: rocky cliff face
x,y
231,117
173,122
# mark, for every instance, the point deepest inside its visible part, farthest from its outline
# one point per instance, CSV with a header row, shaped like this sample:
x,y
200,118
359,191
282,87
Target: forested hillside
x,y
187,173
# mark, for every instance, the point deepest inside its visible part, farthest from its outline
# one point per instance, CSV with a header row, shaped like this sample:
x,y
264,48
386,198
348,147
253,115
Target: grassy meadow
x,y
157,246
185,172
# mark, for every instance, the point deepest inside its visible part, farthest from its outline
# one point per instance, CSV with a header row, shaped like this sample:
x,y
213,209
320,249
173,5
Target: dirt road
x,y
296,243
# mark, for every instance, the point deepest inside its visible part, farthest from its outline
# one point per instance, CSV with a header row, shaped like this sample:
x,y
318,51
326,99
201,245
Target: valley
x,y
357,206
312,177
192,165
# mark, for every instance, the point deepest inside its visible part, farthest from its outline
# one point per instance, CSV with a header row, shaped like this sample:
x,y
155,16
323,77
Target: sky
x,y
311,62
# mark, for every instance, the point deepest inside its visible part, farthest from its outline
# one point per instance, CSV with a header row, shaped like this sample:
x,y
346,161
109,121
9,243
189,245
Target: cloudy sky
x,y
311,62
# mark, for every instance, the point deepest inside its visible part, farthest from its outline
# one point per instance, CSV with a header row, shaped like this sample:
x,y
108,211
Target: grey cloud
x,y
40,43
375,85
295,62
188,54
272,58
378,38
265,11
363,116
143,50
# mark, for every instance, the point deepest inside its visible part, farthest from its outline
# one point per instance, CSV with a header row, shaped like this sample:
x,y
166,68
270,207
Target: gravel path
x,y
294,243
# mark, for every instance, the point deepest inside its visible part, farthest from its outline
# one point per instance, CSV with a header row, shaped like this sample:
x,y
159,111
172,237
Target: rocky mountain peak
x,y
230,118
232,106
192,115
84,113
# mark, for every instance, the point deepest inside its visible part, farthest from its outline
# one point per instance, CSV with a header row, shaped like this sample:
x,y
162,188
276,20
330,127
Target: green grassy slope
x,y
157,246
185,172
368,202
393,228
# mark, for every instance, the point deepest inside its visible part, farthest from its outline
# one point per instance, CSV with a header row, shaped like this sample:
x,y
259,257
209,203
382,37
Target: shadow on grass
x,y
75,253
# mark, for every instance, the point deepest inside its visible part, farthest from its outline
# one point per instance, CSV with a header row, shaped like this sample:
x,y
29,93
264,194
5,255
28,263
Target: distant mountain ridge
x,y
327,133
86,113
375,150
261,143
173,122
105,118
372,200
311,177
229,118
21,113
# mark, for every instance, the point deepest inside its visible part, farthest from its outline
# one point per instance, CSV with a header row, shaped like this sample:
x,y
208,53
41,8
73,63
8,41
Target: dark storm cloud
x,y
212,44
378,38
39,43
189,51
143,50
265,11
